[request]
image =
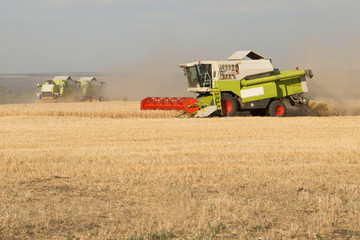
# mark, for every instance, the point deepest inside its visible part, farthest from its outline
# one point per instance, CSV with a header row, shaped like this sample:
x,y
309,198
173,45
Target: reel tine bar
x,y
166,103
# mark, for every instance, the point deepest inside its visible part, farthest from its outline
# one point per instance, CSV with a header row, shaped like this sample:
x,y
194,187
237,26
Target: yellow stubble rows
x,y
230,178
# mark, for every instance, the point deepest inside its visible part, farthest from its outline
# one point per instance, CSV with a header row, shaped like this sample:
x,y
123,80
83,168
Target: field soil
x,y
110,171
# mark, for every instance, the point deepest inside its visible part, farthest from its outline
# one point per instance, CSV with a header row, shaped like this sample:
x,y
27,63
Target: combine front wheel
x,y
229,104
277,109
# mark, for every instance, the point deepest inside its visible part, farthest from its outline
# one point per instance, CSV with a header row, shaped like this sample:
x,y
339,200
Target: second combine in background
x,y
64,88
91,89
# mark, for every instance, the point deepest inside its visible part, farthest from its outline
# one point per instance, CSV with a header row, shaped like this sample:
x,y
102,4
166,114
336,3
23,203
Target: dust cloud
x,y
323,109
156,75
334,90
17,95
335,87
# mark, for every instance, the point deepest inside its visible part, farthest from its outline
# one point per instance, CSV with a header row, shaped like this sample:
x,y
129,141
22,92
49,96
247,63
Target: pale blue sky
x,y
101,35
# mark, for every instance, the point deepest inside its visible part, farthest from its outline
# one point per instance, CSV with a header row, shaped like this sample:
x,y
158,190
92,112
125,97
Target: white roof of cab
x,y
239,55
62,78
87,79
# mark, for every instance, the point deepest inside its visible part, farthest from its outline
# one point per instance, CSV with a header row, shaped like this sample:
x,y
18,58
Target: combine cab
x,y
246,81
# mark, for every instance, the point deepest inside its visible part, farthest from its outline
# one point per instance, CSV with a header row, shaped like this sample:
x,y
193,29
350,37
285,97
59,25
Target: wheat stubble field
x,y
109,171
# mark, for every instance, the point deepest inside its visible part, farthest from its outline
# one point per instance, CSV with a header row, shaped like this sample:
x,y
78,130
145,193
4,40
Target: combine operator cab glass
x,y
199,76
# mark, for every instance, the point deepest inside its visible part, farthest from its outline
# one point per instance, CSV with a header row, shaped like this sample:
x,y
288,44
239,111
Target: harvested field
x,y
109,171
120,109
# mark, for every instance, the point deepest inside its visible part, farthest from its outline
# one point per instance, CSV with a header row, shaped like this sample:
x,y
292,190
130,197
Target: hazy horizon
x,y
103,35
141,43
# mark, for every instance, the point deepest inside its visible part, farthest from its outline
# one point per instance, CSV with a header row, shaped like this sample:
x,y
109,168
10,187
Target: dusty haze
x,y
157,74
335,88
335,67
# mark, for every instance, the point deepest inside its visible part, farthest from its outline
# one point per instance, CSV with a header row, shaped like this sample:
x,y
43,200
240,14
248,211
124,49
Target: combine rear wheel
x,y
276,109
229,104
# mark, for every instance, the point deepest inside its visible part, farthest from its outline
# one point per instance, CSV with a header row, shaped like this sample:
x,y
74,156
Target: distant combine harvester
x,y
64,88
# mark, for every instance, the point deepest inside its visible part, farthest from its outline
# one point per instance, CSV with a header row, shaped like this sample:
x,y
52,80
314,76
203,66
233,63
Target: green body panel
x,y
288,87
205,100
270,91
213,99
63,87
280,85
276,89
228,86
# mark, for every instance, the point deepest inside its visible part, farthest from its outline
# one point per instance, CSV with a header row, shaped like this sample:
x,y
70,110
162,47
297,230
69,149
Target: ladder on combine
x,y
216,97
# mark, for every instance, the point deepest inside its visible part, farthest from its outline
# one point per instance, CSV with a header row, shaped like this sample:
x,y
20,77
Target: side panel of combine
x,y
259,92
289,87
228,86
280,85
274,89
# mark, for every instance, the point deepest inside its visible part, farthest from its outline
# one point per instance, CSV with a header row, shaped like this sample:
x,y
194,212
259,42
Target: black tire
x,y
229,104
276,109
258,112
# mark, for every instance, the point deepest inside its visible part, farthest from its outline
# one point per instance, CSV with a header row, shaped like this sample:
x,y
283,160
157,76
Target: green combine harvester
x,y
58,87
246,81
64,88
90,89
